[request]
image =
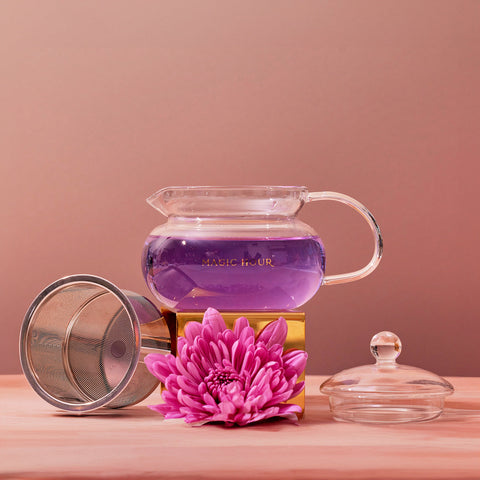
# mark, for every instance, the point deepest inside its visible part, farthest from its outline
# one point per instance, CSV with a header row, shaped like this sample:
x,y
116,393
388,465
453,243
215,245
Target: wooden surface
x,y
38,442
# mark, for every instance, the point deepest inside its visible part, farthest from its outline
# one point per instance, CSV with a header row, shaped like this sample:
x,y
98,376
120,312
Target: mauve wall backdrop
x,y
103,103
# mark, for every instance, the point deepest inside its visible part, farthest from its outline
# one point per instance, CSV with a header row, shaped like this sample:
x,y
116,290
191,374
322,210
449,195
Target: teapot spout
x,y
158,201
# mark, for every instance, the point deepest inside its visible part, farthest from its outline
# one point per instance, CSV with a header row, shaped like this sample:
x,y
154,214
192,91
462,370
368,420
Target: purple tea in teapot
x,y
251,274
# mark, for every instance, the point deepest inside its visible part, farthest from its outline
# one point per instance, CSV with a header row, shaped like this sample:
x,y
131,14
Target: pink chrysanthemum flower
x,y
220,375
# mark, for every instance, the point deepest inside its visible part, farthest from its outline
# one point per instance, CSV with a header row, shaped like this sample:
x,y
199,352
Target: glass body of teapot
x,y
240,248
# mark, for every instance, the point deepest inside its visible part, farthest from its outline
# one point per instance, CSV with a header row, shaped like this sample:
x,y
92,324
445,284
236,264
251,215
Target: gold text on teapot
x,y
235,262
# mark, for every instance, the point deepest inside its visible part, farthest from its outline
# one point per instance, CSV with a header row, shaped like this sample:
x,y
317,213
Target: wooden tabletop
x,y
38,442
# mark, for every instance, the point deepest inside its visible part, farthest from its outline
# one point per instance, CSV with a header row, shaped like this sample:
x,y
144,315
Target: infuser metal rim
x,y
25,361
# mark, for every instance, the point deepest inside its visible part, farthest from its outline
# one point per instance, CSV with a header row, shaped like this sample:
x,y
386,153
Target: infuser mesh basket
x,y
100,347
81,344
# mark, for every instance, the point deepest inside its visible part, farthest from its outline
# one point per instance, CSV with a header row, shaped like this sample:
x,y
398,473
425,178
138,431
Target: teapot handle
x,y
362,210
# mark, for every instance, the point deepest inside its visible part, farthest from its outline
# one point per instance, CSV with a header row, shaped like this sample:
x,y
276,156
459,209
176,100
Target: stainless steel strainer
x,y
83,341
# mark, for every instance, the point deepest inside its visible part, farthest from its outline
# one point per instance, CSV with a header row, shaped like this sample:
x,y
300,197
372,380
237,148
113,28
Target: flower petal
x,y
157,364
188,401
297,389
192,330
296,360
181,344
274,333
194,372
187,385
240,324
238,353
213,318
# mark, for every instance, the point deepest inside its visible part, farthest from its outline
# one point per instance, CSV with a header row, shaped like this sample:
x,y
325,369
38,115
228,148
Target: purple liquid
x,y
233,274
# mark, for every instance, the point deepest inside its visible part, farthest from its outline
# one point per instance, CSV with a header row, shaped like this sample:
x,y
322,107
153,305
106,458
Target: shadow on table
x,y
316,412
461,411
138,411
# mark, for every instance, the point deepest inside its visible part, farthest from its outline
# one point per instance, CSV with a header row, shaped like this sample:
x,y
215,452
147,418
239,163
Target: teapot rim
x,y
291,198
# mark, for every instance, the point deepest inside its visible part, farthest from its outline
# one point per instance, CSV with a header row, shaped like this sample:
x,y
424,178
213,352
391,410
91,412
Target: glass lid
x,y
386,392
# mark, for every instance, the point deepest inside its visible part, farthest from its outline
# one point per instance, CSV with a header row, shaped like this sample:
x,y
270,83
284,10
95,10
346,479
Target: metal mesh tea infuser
x,y
83,340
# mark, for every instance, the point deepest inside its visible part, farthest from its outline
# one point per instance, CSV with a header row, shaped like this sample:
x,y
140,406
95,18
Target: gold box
x,y
258,321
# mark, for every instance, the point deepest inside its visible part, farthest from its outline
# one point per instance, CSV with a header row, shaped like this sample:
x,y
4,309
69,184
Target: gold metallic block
x,y
258,321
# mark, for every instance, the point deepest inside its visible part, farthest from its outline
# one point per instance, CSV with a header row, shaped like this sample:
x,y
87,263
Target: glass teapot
x,y
241,248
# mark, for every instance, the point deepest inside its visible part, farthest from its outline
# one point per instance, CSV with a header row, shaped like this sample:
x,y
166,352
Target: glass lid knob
x,y
385,347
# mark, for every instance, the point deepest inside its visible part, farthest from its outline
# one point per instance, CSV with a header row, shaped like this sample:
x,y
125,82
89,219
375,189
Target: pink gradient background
x,y
102,103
